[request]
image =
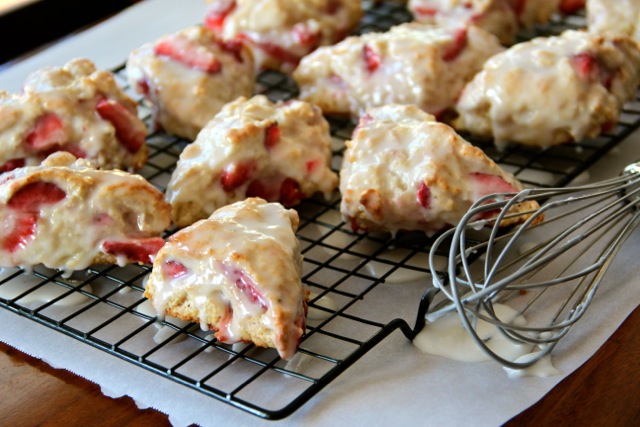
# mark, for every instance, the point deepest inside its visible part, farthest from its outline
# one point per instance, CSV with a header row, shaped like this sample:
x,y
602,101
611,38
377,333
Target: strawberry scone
x,y
188,76
614,16
504,18
410,64
68,215
553,90
237,273
404,171
281,32
253,148
74,108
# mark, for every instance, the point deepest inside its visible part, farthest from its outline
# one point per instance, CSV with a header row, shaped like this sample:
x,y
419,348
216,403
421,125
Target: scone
x,y
238,273
253,148
68,215
410,64
188,76
614,16
553,90
280,32
402,170
504,18
74,108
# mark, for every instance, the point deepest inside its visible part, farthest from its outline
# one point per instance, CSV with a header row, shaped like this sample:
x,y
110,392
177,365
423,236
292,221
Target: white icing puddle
x,y
297,363
326,302
542,368
447,337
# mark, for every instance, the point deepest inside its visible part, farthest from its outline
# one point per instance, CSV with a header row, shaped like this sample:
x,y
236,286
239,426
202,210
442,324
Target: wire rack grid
x,y
351,276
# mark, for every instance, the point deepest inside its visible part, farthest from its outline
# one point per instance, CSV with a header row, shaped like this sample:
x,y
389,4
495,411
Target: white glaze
x,y
237,136
542,368
71,93
616,16
249,242
132,206
447,337
411,70
324,301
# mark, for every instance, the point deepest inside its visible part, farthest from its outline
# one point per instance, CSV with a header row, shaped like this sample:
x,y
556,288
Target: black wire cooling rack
x,y
350,276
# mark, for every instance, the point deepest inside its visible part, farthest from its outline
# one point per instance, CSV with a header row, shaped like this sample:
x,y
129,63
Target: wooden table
x,y
604,391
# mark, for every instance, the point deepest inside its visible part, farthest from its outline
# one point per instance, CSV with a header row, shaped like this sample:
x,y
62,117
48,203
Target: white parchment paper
x,y
394,383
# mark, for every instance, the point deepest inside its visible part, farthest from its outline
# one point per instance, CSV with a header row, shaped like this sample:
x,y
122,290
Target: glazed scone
x,y
402,170
280,32
253,148
551,90
188,76
614,16
68,215
410,64
504,18
237,273
74,108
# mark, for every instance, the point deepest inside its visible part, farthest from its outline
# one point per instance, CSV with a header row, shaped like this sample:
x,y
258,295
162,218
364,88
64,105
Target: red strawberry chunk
x,y
275,51
312,165
237,175
425,11
260,189
486,184
247,286
188,53
306,36
48,131
174,269
32,196
218,13
233,47
224,324
424,196
371,59
130,131
518,6
586,65
23,231
272,135
333,6
457,45
11,165
567,7
141,250
290,193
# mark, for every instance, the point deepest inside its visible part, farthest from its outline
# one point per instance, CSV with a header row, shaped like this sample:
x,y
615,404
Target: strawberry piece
x,y
518,6
32,196
457,45
272,135
233,47
11,165
143,87
567,7
371,59
333,6
174,269
354,225
486,184
141,250
24,230
224,324
48,131
218,13
275,51
290,193
608,126
425,11
424,196
258,189
586,65
305,36
130,131
188,53
247,286
312,165
236,175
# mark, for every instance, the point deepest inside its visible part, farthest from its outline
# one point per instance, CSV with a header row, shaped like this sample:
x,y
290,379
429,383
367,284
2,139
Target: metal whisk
x,y
549,271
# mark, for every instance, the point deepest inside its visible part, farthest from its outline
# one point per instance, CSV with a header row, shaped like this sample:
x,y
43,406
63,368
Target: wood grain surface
x,y
603,392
